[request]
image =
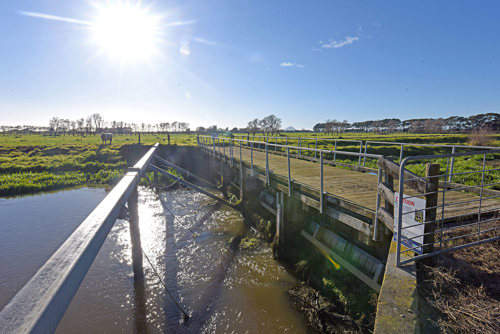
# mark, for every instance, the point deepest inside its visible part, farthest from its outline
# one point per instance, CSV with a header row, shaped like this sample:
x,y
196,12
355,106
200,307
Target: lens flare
x,y
126,31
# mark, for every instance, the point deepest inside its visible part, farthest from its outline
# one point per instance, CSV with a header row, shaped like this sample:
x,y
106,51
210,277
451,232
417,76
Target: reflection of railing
x,y
217,146
41,303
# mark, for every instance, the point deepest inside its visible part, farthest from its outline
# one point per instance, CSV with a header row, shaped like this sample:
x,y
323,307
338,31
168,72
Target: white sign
x,y
414,216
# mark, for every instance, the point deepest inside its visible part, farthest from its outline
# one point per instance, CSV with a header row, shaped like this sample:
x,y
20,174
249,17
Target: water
x,y
223,288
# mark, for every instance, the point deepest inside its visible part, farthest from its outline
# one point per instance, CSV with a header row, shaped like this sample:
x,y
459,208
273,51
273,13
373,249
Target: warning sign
x,y
413,222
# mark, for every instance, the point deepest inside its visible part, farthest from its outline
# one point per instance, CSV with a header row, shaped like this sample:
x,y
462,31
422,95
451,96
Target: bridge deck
x,y
355,186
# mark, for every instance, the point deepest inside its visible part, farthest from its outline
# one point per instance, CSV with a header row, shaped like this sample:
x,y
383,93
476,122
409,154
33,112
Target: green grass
x,y
31,163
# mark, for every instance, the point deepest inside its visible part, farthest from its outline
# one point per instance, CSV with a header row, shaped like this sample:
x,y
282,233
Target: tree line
x,y
489,121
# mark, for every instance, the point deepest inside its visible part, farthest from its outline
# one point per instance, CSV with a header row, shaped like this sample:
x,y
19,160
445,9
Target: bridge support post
x,y
279,236
135,236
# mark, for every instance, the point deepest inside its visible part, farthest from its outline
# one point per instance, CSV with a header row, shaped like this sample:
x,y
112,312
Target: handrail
x,y
357,154
41,303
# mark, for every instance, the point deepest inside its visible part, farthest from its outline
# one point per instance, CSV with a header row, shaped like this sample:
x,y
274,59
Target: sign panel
x,y
414,216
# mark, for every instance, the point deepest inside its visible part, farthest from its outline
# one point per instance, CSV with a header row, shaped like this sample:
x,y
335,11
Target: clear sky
x,y
227,62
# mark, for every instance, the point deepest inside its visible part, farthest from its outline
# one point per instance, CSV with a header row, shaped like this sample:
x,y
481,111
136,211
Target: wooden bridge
x,y
359,196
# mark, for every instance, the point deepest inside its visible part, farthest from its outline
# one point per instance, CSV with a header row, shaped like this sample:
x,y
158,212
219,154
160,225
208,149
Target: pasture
x,y
33,163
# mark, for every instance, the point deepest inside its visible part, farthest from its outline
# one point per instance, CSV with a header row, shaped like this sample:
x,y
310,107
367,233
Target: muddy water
x,y
224,289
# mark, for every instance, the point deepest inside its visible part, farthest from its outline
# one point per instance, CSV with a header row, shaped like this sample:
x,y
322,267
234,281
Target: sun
x,y
126,31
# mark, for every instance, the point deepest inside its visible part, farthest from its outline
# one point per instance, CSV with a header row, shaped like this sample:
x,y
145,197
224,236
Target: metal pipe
x,y
481,198
360,152
251,158
315,147
452,164
401,153
321,182
377,205
267,165
289,176
335,152
364,158
400,211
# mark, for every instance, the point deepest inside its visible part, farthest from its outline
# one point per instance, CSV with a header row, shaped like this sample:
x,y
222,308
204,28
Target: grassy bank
x,y
34,163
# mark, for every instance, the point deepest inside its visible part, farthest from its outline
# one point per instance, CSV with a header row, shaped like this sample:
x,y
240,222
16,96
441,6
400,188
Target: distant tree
x,y
54,124
253,126
319,127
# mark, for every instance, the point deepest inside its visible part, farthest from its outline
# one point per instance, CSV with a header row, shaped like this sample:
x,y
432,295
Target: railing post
x,y
377,205
251,158
450,176
431,199
224,148
360,151
213,144
366,149
321,195
289,176
241,174
276,144
315,147
267,166
401,154
335,152
135,236
481,199
299,150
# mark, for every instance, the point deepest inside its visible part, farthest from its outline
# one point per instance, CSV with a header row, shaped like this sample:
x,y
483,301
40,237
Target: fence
x,y
41,303
223,148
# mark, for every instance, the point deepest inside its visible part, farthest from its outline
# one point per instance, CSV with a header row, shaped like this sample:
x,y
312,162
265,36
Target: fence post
x,y
321,182
289,175
401,153
135,236
431,199
276,144
450,176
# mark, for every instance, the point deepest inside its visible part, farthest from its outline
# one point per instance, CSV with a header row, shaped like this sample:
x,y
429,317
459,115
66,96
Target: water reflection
x,y
224,289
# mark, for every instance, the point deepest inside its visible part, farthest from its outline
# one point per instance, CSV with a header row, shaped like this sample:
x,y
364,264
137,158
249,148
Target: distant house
x,y
290,129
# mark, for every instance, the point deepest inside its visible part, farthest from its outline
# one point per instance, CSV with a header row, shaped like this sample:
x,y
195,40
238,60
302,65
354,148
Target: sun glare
x,y
126,31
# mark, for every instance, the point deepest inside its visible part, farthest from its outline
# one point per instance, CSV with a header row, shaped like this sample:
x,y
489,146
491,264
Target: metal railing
x,y
41,303
301,141
214,145
402,146
441,216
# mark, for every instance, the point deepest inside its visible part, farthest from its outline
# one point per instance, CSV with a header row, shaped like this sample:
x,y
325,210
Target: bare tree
x,y
253,126
98,121
54,124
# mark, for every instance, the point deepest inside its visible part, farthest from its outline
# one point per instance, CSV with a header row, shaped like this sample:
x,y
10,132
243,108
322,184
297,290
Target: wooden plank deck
x,y
357,187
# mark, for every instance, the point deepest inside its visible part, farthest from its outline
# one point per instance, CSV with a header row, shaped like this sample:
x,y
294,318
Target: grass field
x,y
32,163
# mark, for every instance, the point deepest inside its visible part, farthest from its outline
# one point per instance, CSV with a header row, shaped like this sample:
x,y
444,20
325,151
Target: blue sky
x,y
227,62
